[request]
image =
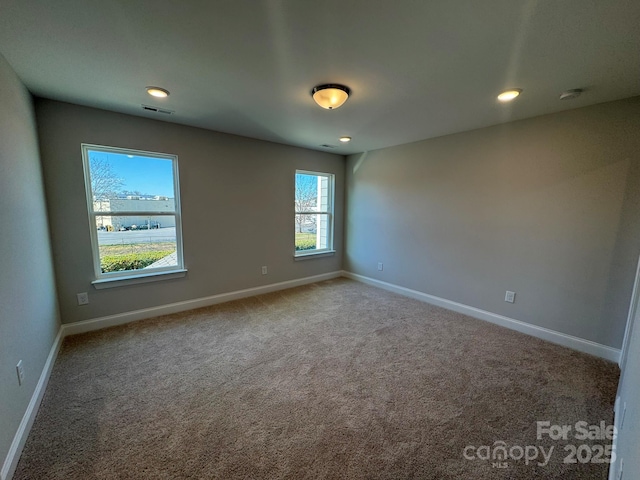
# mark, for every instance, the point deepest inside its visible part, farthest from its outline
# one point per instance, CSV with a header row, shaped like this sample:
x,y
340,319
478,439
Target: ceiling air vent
x,y
156,109
571,94
324,145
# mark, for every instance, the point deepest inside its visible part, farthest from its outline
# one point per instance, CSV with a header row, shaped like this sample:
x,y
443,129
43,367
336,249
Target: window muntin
x,y
134,211
314,192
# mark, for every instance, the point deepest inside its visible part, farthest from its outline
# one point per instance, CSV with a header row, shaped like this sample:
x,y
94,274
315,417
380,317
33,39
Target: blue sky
x,y
151,176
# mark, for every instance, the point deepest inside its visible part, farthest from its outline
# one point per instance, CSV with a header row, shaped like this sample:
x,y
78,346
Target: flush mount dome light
x,y
157,92
509,95
345,139
330,96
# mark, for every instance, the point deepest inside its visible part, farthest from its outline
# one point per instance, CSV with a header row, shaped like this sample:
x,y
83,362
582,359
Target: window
x,y
314,213
134,212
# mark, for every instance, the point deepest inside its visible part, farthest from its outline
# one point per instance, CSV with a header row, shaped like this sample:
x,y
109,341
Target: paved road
x,y
137,236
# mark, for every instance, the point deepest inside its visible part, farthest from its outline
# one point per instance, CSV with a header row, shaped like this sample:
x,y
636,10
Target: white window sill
x,y
310,255
136,279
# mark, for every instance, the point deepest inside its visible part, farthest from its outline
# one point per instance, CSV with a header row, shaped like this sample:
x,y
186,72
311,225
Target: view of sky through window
x,y
146,175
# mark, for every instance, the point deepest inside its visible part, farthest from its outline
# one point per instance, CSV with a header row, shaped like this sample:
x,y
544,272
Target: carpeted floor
x,y
335,380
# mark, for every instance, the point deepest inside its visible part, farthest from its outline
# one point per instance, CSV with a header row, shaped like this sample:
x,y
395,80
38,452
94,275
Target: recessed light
x,y
345,139
157,92
509,95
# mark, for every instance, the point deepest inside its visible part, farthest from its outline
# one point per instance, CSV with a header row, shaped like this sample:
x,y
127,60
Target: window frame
x,y
110,279
301,254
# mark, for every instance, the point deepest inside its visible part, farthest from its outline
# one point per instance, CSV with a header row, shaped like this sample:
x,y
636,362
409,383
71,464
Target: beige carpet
x,y
332,380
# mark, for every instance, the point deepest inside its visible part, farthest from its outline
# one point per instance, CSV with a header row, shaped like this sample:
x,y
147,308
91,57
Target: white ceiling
x,y
417,69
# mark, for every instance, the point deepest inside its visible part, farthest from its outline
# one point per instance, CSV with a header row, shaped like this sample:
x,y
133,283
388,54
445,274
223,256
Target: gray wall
x,y
237,207
546,207
28,313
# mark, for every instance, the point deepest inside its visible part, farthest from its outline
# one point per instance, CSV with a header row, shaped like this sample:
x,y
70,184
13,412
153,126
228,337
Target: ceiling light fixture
x,y
158,92
509,95
345,139
330,96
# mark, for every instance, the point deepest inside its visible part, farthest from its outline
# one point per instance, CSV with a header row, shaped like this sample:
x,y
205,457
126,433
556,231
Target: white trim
x,y
20,438
580,344
154,276
133,213
313,254
127,317
633,308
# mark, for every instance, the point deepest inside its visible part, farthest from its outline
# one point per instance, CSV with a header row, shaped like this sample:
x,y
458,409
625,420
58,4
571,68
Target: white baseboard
x,y
576,343
127,317
20,438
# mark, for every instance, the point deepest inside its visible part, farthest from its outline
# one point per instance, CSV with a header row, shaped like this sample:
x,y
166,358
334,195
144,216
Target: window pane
x,y
312,231
306,197
133,243
123,182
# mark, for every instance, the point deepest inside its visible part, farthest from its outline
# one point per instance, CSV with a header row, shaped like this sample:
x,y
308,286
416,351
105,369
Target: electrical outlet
x,y
83,298
264,270
20,372
510,297
380,266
